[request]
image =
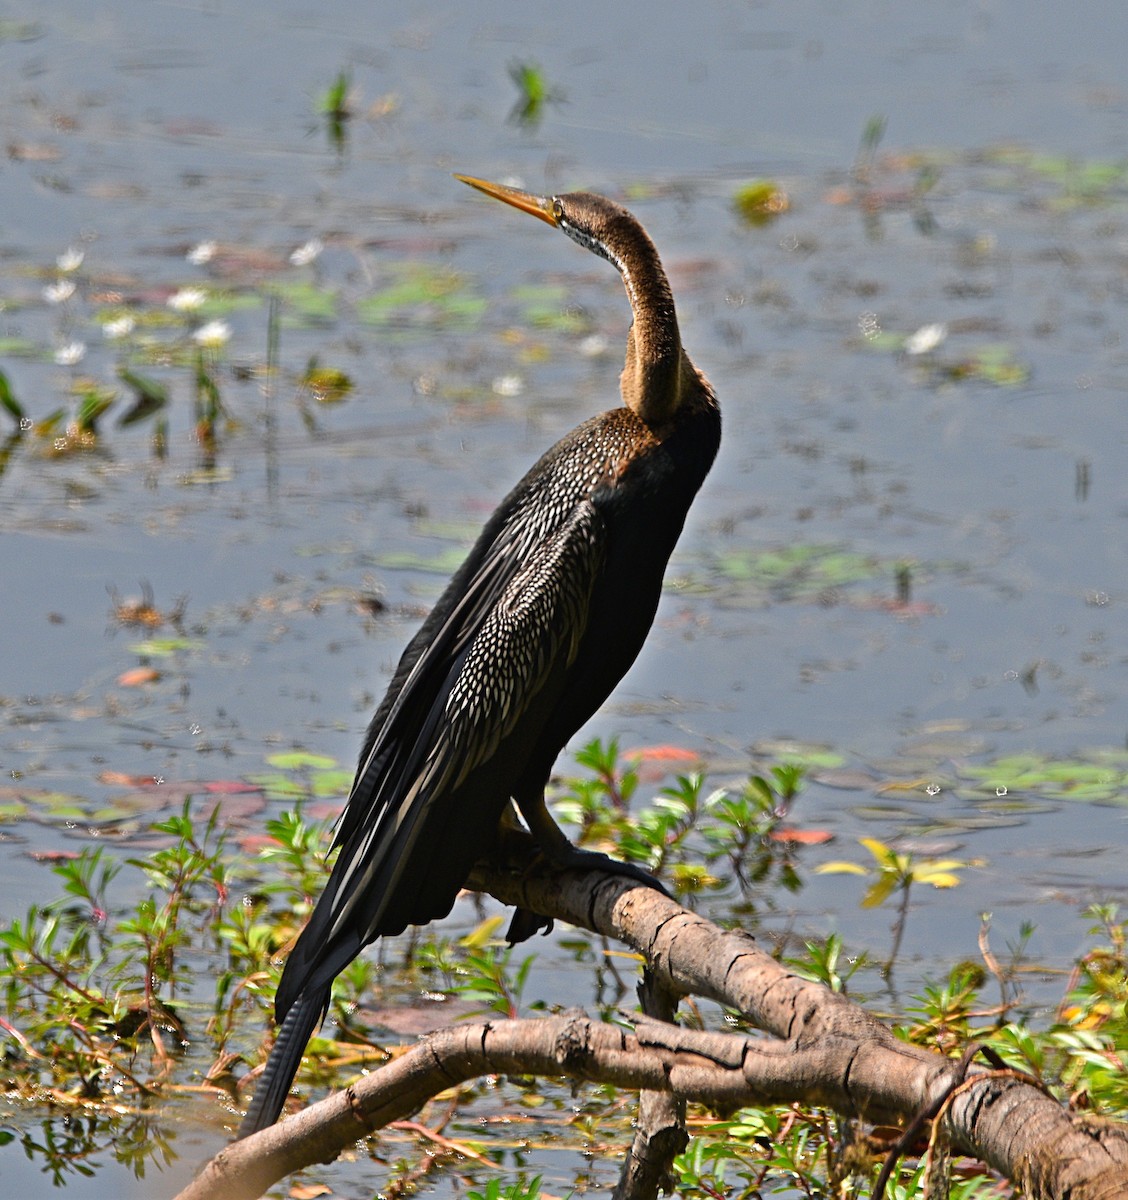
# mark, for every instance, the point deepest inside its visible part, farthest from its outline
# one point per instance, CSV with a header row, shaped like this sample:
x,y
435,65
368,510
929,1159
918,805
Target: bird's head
x,y
657,372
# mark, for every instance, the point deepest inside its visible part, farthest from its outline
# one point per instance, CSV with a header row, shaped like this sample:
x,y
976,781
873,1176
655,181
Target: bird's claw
x,y
573,858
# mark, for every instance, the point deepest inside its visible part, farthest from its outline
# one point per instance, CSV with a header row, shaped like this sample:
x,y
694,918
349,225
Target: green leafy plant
x,y
335,105
521,1190
105,1005
487,981
827,963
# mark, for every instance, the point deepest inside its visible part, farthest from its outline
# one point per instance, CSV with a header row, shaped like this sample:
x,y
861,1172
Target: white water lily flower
x,y
71,353
70,259
188,299
926,338
212,335
201,253
120,327
306,253
58,292
508,385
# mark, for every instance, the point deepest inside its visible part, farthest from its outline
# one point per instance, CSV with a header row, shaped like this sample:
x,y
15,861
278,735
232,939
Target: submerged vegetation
x,y
112,1005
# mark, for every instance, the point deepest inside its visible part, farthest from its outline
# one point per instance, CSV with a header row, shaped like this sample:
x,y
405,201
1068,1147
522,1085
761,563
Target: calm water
x,y
992,464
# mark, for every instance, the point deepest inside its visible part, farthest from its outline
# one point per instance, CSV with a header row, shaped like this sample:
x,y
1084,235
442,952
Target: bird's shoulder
x,y
580,466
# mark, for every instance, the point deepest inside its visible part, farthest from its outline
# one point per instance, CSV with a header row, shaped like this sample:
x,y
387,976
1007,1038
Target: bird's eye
x,y
557,209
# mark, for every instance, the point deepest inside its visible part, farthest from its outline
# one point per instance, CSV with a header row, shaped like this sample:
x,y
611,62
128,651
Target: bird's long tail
x,y
274,1084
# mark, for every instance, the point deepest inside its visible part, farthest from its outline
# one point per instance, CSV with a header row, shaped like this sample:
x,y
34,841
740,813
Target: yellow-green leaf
x,y
479,938
840,868
939,879
879,891
881,852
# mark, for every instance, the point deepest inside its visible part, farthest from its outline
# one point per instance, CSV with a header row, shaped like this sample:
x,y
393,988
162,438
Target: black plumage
x,y
535,629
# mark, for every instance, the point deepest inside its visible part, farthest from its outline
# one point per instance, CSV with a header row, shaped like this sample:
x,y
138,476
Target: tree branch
x,y
660,1134
820,1049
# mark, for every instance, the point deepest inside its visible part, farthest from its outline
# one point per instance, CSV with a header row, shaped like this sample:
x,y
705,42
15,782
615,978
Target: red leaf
x,y
663,754
121,779
52,856
138,676
802,837
252,843
653,762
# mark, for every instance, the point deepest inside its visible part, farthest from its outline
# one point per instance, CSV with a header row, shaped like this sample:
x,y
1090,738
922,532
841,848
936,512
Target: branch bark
x,y
820,1049
660,1134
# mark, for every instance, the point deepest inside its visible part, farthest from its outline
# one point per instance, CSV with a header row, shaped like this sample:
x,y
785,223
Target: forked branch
x,y
819,1049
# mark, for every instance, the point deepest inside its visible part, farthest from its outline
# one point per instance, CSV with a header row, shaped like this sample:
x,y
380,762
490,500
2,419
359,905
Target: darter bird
x,y
536,628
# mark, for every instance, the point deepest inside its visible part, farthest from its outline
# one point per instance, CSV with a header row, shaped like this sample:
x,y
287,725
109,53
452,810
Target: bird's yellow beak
x,y
539,206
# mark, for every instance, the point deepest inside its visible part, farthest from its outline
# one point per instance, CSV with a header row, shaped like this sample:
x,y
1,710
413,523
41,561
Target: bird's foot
x,y
520,851
525,923
569,857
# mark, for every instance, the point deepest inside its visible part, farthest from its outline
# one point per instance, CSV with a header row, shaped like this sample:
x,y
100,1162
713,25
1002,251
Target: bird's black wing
x,y
513,634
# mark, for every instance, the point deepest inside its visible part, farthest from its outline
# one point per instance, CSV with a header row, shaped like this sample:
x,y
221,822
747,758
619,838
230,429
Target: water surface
x,y
992,465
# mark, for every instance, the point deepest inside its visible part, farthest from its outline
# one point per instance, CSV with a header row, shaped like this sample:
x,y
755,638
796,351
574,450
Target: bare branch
x,y
660,1134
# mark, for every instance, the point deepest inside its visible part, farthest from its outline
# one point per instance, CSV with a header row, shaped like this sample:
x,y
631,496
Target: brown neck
x,y
657,370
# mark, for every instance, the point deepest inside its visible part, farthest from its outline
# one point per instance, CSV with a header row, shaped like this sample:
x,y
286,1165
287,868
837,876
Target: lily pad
x,y
17,347
297,760
792,750
279,786
545,306
442,563
421,295
304,303
791,572
165,647
331,783
1103,781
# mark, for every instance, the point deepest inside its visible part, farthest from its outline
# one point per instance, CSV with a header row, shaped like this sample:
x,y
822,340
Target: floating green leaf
x,y
442,563
545,306
327,384
298,760
165,647
1100,777
305,303
422,295
760,201
279,786
798,570
810,755
331,783
997,364
20,31
222,304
